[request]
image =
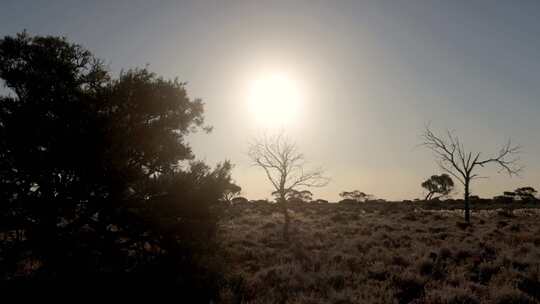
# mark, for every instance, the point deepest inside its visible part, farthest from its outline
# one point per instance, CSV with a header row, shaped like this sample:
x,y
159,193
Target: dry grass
x,y
343,254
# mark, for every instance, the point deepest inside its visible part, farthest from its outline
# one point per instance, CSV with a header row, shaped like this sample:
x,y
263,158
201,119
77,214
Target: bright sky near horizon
x,y
362,77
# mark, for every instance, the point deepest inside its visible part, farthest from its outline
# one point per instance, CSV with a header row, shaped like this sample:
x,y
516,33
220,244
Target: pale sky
x,y
370,75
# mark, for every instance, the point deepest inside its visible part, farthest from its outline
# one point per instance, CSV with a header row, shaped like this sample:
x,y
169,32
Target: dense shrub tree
x,y
503,199
96,179
300,196
510,194
356,195
239,200
231,192
523,193
438,184
526,193
296,195
320,201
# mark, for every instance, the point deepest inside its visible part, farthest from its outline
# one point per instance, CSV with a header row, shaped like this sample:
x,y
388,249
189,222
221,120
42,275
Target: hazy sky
x,y
370,73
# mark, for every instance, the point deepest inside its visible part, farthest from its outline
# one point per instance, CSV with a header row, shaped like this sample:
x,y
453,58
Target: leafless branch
x,y
506,159
284,164
453,158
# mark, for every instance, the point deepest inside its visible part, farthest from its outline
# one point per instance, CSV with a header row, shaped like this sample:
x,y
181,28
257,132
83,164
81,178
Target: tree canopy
x,y
523,193
356,195
95,173
438,184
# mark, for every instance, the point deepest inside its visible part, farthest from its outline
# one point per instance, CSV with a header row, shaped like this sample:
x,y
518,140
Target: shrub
x,y
511,296
407,287
400,261
462,225
445,253
433,269
269,225
336,281
410,217
507,213
452,296
425,267
378,272
530,284
462,298
484,272
462,255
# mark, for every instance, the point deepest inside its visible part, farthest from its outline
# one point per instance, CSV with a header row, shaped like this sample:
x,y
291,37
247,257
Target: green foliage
x,y
526,193
292,195
438,184
356,195
95,173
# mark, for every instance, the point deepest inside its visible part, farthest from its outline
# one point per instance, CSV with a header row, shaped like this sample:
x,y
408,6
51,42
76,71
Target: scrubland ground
x,y
350,254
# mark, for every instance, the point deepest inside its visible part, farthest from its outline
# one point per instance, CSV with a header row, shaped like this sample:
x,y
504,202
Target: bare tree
x,y
284,166
453,158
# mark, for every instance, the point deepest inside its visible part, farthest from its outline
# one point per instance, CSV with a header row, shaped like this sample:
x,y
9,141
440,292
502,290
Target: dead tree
x,y
453,158
284,166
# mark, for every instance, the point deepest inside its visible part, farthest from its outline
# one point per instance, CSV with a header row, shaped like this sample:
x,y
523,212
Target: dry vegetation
x,y
391,254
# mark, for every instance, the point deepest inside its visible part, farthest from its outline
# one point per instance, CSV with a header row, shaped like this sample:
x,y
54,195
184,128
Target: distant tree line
x,y
525,194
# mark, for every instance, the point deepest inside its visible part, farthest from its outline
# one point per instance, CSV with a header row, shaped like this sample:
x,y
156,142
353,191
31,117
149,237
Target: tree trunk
x,y
467,205
286,226
287,219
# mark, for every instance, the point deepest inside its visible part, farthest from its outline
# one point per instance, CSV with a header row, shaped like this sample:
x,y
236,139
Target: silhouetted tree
x,y
526,193
510,194
95,174
320,201
453,158
356,195
239,200
523,193
302,196
295,195
231,192
503,199
284,166
438,184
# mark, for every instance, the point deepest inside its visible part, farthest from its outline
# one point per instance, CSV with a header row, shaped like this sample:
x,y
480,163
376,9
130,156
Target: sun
x,y
274,100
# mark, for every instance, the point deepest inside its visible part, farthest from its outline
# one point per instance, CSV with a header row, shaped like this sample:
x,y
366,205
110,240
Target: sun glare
x,y
274,100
